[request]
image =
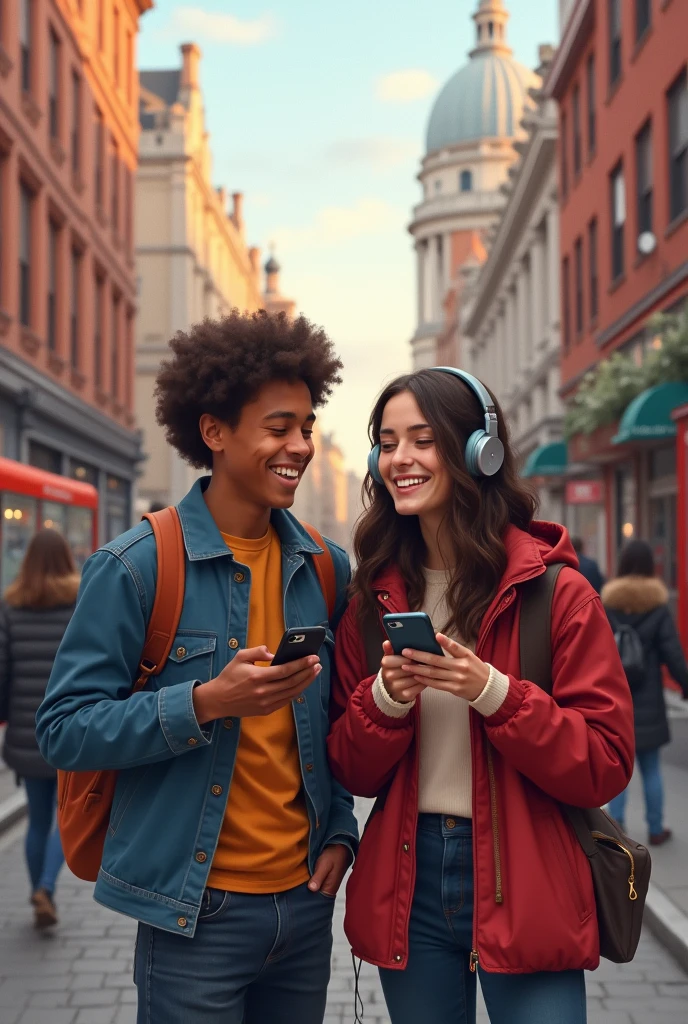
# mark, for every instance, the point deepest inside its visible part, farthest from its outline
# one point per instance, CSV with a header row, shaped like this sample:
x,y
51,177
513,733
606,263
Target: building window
x,y
129,350
614,41
76,122
592,257
53,249
54,87
579,285
466,181
98,332
577,140
592,115
25,218
74,308
677,99
114,198
643,17
566,303
115,45
618,219
643,163
114,347
25,27
563,144
99,143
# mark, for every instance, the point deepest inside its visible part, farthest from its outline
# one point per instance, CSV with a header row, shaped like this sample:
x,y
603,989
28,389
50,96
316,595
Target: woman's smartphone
x,y
299,642
411,629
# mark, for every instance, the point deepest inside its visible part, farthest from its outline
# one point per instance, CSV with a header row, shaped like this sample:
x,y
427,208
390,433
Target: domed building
x,y
475,121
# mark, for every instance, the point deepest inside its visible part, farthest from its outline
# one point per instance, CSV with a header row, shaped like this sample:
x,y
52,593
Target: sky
x,y
317,112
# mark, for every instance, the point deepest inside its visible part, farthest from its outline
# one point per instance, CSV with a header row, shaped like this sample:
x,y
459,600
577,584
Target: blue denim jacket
x,y
174,776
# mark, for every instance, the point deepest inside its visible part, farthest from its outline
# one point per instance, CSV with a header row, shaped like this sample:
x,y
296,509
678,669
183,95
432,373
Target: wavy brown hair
x,y
48,576
479,512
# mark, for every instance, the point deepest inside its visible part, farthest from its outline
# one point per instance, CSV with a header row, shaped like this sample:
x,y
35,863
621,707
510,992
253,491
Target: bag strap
x,y
536,627
169,593
324,566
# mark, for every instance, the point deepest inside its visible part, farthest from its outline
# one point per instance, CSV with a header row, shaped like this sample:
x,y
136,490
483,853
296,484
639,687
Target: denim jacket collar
x,y
203,539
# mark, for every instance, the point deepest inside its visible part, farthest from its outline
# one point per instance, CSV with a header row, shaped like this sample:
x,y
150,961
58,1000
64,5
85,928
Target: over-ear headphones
x,y
484,453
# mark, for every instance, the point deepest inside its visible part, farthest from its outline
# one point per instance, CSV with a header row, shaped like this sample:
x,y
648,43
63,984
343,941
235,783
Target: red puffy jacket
x,y
534,907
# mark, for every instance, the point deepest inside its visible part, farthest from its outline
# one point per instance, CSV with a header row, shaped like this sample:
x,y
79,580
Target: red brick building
x,y
620,79
68,153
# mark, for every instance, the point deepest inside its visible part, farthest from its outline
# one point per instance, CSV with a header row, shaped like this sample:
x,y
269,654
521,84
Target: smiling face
x,y
262,460
410,465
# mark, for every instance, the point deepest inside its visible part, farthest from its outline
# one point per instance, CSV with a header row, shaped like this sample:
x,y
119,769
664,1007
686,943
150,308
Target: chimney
x,y
222,196
191,58
237,210
254,260
545,53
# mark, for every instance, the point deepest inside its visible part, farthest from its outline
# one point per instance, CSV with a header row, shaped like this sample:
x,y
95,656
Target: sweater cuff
x,y
494,694
385,703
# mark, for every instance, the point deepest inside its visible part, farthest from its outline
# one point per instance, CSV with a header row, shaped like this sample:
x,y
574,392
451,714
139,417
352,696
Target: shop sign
x,y
584,492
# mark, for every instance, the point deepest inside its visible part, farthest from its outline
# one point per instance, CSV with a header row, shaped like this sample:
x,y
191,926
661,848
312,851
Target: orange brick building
x,y
620,78
68,154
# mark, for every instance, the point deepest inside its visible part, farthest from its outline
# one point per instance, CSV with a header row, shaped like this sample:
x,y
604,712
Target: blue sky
x,y
317,112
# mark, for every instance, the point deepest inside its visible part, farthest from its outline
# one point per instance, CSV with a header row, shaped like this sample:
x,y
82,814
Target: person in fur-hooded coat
x,y
639,599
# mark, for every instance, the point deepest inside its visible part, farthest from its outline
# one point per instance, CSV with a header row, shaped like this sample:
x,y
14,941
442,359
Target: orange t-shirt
x,y
263,845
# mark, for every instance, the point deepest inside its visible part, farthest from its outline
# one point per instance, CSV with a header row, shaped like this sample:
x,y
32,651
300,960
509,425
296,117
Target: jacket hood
x,y
527,551
634,595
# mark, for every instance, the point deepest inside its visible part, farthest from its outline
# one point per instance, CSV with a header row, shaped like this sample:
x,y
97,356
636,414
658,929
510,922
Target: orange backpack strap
x,y
169,593
324,566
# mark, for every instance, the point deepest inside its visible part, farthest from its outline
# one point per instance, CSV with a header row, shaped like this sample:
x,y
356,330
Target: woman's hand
x,y
399,682
462,673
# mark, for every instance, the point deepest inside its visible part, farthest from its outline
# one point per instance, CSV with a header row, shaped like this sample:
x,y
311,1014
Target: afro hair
x,y
219,366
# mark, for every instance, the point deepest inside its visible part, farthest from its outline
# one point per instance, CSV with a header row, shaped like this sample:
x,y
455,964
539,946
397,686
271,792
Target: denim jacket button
x,y
228,723
300,700
192,741
181,652
309,767
239,577
201,857
216,790
181,921
233,643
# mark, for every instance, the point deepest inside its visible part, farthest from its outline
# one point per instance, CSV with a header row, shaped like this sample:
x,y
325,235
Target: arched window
x,y
466,181
490,29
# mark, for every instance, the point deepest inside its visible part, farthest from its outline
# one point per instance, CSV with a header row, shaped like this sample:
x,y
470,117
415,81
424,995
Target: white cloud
x,y
380,152
405,86
337,224
212,26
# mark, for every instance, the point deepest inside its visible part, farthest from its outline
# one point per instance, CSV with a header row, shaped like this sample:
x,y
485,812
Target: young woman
x,y
467,861
33,618
636,598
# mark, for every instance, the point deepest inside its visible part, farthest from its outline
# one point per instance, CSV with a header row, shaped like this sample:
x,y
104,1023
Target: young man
x,y
228,838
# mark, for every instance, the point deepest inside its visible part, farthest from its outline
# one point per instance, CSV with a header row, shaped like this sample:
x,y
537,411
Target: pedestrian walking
x,y
33,617
228,838
637,601
467,864
587,566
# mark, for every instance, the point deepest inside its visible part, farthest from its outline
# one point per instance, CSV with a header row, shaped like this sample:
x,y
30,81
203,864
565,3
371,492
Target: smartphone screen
x,y
411,629
299,642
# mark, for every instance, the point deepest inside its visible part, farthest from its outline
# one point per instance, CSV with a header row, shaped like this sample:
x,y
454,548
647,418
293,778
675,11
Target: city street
x,y
83,973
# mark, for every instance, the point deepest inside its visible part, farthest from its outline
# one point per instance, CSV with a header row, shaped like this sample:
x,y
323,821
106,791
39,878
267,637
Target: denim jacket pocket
x,y
190,657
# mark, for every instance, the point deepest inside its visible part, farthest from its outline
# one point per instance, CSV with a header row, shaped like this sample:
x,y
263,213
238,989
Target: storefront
x,y
545,467
680,417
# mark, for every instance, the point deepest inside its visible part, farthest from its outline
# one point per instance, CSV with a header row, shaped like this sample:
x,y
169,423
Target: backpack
x,y
620,866
84,799
630,648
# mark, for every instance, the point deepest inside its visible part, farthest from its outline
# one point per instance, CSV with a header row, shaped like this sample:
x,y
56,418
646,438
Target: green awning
x,y
648,417
547,460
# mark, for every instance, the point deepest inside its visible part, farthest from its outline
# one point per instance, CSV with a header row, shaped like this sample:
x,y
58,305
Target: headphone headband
x,y
481,393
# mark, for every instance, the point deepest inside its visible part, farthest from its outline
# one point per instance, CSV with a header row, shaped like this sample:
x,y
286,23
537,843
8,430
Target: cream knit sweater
x,y
445,783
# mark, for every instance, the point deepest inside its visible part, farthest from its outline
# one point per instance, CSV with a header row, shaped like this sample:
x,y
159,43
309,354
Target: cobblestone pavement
x,y
83,973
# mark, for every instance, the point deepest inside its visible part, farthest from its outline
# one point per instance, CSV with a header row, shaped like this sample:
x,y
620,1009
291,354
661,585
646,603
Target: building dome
x,y
487,97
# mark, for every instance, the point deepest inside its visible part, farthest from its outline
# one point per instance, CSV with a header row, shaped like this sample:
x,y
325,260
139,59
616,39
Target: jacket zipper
x,y
496,845
632,894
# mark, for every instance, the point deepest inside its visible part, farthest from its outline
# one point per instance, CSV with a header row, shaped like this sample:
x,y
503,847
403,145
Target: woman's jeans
x,y
437,986
653,787
255,959
43,848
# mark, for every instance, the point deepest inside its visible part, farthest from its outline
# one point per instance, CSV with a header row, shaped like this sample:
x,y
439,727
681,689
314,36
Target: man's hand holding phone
x,y
244,689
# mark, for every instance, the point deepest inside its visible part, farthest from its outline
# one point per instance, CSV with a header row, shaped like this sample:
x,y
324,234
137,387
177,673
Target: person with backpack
x,y
468,864
35,612
227,838
637,604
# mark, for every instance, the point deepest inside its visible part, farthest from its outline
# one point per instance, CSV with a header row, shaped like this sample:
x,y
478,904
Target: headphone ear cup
x,y
374,464
484,454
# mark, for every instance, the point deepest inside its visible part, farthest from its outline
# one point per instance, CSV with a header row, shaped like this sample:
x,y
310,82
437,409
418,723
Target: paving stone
x,y
102,1016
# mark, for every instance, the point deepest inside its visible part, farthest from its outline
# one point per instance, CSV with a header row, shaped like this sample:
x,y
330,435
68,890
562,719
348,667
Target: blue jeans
x,y
43,848
437,986
254,959
653,788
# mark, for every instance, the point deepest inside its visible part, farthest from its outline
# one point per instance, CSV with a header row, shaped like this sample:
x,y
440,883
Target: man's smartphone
x,y
299,642
411,629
